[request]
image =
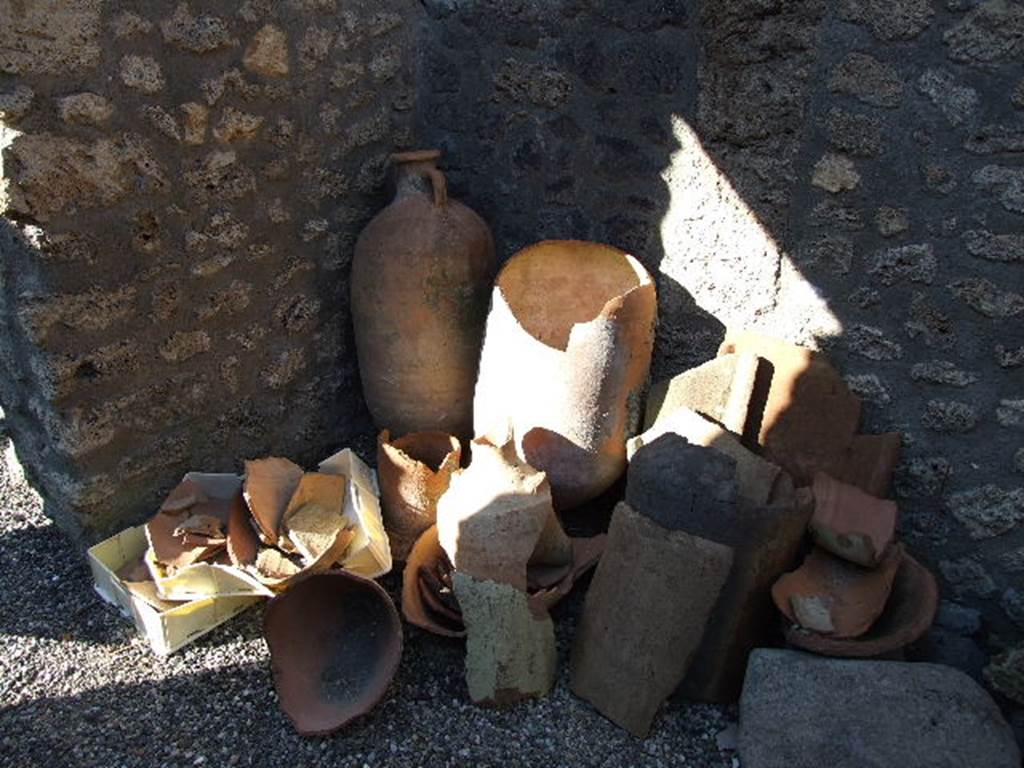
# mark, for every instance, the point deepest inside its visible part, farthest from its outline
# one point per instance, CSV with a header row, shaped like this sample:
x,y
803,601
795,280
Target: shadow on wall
x,y
844,176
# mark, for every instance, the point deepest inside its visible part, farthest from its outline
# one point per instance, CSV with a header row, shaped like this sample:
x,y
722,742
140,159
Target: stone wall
x,y
183,184
846,175
188,181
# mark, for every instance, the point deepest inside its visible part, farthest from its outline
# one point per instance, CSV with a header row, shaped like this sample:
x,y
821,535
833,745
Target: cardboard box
x,y
167,626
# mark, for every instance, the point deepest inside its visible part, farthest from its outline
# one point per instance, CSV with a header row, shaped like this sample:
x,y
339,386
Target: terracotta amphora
x,y
565,360
421,277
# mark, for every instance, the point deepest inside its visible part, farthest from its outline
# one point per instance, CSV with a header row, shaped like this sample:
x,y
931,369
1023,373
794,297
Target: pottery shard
x,y
756,478
804,711
720,389
315,515
414,471
491,519
831,596
869,463
510,646
850,523
644,617
908,614
810,416
269,485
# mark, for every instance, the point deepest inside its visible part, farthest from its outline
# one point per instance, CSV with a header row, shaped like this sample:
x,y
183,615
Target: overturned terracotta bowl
x,y
908,613
335,642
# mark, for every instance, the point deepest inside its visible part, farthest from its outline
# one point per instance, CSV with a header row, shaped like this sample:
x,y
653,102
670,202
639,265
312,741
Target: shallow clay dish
x,y
907,615
335,642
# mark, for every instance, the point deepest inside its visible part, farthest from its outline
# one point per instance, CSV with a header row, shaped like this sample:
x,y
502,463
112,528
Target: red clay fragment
x,y
335,641
908,614
414,472
186,494
869,463
810,416
243,544
833,597
269,485
850,523
425,556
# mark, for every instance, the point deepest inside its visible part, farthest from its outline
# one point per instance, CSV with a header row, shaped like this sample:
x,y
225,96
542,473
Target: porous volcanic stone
x,y
803,711
644,617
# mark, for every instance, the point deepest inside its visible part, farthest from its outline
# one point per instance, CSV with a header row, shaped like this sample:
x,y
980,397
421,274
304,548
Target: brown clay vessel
x,y
908,614
564,362
335,642
421,276
413,471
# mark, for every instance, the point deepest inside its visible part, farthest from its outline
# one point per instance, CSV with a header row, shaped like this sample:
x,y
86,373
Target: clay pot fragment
x,y
414,471
315,514
428,599
335,641
644,617
909,612
421,276
269,485
496,514
720,390
850,523
564,361
869,463
809,414
833,597
427,571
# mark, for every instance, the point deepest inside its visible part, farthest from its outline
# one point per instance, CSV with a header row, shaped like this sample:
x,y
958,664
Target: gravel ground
x,y
79,688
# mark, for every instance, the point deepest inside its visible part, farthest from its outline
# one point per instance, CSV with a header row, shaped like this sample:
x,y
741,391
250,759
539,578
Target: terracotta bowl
x,y
335,642
908,613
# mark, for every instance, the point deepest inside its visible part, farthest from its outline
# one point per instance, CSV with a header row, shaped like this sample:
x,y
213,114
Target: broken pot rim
x,y
379,690
412,601
866,646
610,308
399,445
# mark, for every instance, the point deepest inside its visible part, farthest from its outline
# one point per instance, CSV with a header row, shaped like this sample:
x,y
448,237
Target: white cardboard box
x,y
167,626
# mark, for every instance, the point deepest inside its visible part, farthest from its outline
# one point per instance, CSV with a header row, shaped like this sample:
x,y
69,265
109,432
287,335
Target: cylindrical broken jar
x,y
565,358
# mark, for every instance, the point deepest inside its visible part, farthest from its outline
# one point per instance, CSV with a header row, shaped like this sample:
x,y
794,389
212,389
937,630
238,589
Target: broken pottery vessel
x,y
421,277
413,471
335,641
644,617
693,489
428,599
869,463
850,523
721,390
833,597
809,415
909,612
510,642
564,362
497,516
